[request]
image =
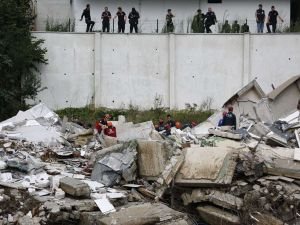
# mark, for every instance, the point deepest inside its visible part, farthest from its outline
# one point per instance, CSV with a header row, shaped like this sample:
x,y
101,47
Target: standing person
x,y
121,20
198,22
87,15
260,18
169,22
106,16
134,20
272,20
210,19
229,119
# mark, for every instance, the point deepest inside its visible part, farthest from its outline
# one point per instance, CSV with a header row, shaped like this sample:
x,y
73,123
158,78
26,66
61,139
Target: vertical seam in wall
x,y
94,82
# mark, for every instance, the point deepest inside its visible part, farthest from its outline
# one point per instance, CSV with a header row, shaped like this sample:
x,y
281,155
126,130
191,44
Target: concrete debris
x,y
74,187
55,171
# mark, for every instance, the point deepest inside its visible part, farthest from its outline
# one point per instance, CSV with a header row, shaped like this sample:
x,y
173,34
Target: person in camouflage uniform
x,y
226,28
245,28
235,27
198,22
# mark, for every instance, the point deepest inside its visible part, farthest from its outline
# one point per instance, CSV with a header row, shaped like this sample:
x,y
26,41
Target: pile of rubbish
x,y
53,171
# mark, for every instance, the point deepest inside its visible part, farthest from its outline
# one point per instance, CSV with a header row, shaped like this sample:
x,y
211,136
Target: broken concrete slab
x,y
136,214
152,158
215,216
225,134
208,166
74,187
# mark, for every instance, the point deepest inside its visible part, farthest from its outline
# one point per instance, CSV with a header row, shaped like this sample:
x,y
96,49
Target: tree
x,y
20,57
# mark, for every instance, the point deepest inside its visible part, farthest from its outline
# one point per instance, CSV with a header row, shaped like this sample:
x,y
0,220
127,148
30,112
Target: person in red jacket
x,y
100,125
110,130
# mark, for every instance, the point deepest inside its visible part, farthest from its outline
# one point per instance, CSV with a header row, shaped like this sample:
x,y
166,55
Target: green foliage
x,y
20,55
295,27
66,26
133,114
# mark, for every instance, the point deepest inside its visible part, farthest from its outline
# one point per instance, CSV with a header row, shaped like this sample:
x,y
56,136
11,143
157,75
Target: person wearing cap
x,y
170,121
272,20
133,20
106,16
229,119
110,130
260,18
121,20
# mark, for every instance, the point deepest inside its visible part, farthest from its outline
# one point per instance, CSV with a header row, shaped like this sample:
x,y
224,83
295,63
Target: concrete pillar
x,y
97,68
246,61
172,71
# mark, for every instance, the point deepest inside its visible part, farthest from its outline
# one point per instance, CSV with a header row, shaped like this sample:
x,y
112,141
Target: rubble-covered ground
x,y
56,172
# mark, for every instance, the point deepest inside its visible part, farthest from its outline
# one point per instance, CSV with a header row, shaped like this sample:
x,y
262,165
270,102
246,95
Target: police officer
x,y
106,16
272,19
133,20
260,18
121,20
210,19
87,15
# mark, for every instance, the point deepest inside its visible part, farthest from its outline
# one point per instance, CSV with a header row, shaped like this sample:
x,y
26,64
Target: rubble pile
x,y
57,172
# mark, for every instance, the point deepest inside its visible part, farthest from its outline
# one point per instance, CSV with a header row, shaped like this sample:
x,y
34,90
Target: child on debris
x,y
101,125
170,121
229,119
221,120
110,130
160,126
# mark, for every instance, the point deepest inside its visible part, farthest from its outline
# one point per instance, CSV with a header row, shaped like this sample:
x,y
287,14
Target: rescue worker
x,y
110,130
229,119
133,20
272,20
169,22
106,16
160,127
121,20
210,19
198,22
260,18
170,121
226,28
87,15
235,27
245,28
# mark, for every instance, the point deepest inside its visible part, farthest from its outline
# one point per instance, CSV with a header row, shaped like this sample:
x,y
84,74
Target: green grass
x,y
87,115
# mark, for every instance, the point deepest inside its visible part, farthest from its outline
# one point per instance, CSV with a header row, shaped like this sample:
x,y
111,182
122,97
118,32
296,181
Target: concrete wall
x,y
55,10
184,10
115,70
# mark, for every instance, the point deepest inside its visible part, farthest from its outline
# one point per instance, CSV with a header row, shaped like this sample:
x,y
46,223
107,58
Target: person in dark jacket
x,y
87,15
133,20
210,19
160,126
260,18
106,16
229,119
170,121
121,20
272,20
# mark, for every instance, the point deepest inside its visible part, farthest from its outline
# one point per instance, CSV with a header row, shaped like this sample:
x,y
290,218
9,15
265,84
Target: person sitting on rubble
x,y
229,119
221,120
110,130
167,130
160,126
170,121
100,125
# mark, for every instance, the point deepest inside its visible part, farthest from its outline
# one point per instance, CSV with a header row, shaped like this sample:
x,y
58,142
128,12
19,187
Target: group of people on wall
x,y
201,22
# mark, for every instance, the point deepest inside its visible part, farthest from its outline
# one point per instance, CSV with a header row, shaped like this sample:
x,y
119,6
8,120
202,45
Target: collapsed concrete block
x,y
142,214
152,158
216,216
207,167
74,187
225,134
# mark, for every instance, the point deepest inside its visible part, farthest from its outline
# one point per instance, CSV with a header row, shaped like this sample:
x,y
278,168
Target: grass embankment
x,y
87,115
